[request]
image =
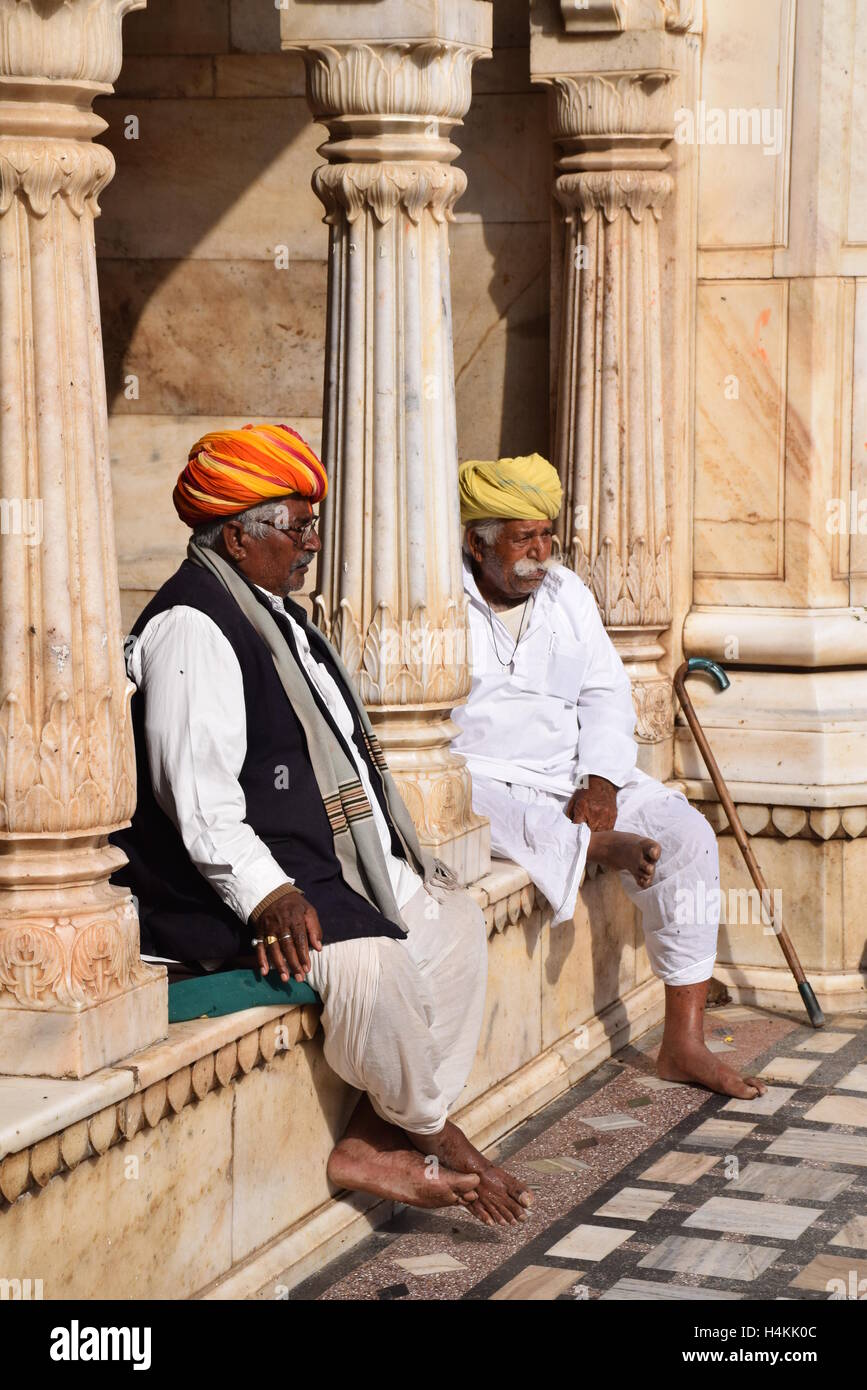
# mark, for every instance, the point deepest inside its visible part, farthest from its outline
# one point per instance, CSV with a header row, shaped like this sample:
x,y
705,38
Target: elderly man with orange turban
x,y
548,733
267,821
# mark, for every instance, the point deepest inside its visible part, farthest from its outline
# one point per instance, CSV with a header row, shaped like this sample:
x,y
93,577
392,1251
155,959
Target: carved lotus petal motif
x,y
452,187
43,169
418,195
70,783
607,582
77,40
679,15
663,579
641,581
18,766
383,195
321,615
409,79
610,191
372,676
631,103
63,767
42,178
347,190
346,637
93,170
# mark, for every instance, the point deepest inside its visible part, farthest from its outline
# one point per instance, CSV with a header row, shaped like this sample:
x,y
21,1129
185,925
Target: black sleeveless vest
x,y
180,915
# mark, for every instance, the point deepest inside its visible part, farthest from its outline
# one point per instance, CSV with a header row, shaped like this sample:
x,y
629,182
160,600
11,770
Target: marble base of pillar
x,y
56,1043
821,885
652,695
436,787
75,995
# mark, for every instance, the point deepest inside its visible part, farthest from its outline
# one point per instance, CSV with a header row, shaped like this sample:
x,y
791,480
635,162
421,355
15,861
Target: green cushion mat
x,y
227,991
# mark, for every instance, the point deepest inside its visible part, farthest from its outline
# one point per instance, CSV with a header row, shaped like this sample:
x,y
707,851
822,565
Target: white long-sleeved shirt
x,y
196,738
566,710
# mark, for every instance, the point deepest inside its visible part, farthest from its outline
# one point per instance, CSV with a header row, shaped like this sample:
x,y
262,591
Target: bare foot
x,y
618,850
501,1199
401,1174
690,1060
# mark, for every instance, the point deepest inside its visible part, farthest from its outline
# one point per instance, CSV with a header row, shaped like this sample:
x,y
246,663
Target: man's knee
x,y
702,836
461,916
403,990
687,838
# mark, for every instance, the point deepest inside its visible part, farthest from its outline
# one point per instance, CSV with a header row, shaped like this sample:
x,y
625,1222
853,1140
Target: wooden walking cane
x,y
703,663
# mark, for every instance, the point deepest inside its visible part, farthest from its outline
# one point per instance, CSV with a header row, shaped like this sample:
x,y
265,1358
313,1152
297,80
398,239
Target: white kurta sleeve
x,y
196,737
606,715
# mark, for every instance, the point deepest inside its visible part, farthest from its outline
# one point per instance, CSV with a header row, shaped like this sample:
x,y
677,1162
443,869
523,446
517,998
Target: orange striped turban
x,y
231,470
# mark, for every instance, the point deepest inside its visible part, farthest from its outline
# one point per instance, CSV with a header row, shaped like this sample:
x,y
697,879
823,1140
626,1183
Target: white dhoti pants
x,y
680,909
402,1018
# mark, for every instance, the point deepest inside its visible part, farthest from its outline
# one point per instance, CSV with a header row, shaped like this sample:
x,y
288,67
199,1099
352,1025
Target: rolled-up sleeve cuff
x,y
282,892
618,776
257,883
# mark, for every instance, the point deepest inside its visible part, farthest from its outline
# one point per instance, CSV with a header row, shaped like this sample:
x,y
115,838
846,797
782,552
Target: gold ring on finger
x,y
270,940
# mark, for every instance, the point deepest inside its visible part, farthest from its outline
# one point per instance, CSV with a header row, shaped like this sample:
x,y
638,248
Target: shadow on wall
x,y
210,201
212,256
501,246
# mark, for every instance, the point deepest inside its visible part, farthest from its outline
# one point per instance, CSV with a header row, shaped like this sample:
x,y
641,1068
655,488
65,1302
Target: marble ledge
x,y
506,896
33,1109
503,879
842,797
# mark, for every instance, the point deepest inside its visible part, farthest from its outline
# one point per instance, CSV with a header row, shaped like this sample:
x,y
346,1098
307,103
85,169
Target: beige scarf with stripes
x,y
356,841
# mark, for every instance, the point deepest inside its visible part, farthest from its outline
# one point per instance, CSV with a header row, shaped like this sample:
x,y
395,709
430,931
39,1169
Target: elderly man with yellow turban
x,y
548,733
267,821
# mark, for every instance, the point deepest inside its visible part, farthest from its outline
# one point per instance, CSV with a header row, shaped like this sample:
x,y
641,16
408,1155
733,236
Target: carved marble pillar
x,y
614,525
390,590
74,994
613,103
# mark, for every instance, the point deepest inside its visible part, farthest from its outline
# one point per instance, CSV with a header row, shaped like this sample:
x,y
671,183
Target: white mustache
x,y
525,568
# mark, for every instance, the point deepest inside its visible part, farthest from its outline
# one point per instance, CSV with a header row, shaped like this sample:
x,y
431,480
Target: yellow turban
x,y
522,489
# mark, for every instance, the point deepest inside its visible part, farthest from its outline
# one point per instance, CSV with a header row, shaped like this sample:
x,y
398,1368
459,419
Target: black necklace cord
x,y
506,664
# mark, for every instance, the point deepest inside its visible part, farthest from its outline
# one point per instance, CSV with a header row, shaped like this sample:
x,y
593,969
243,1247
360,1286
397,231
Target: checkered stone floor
x,y
648,1190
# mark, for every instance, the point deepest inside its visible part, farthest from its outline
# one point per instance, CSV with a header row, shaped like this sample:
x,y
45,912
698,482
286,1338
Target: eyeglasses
x,y
302,532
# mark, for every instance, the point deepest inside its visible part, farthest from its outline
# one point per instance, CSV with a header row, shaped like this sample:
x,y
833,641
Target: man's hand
x,y
295,924
595,804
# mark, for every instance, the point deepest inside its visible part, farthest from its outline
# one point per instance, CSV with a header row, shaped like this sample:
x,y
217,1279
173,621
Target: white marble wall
x,y
780,420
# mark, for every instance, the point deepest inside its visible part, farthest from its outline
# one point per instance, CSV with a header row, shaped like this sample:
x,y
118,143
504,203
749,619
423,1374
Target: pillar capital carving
x,y
610,105
62,41
612,191
349,190
431,78
615,16
42,169
389,101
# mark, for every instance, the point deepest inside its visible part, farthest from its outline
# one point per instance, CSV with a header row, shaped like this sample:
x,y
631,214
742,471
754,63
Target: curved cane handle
x,y
704,663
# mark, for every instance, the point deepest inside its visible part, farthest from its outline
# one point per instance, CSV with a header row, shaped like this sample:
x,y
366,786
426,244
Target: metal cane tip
x,y
704,663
